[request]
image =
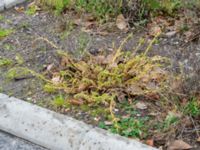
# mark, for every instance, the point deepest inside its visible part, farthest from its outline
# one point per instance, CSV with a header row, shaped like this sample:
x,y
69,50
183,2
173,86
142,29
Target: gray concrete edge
x,y
56,131
6,4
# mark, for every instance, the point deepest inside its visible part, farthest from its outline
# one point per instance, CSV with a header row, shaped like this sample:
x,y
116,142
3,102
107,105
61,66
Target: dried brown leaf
x,y
179,145
50,67
76,102
154,30
19,9
82,87
56,79
150,142
198,139
141,105
64,61
121,22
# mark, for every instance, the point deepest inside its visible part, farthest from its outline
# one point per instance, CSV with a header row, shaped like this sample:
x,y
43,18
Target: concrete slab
x,y
5,4
55,131
40,126
2,5
10,142
11,3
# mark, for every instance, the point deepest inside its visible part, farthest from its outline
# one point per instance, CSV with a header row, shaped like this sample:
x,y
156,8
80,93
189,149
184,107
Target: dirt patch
x,y
20,46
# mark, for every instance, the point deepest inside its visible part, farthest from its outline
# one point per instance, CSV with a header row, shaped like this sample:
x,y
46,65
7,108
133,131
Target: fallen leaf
x,y
77,22
101,60
141,105
134,90
198,140
179,145
64,61
171,34
103,33
49,67
56,79
76,102
89,24
121,22
89,17
150,142
33,4
19,9
188,35
154,30
108,123
82,87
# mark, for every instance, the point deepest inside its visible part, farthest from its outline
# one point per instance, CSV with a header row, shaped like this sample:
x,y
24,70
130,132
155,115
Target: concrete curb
x,y
55,131
5,4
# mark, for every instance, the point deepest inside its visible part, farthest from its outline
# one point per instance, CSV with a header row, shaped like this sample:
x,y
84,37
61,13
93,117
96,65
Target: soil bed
x,y
39,55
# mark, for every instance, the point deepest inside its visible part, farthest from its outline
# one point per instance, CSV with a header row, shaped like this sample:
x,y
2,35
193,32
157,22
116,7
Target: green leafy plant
x,y
59,101
171,119
4,32
129,127
17,73
168,6
104,10
192,108
32,9
5,62
101,9
1,17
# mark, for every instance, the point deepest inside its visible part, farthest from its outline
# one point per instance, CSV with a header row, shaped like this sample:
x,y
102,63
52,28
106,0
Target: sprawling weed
x,y
100,80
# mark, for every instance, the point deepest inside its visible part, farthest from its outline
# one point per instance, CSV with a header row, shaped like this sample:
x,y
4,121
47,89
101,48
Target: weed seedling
x,y
171,119
1,17
59,101
192,108
5,62
4,32
19,59
129,127
17,73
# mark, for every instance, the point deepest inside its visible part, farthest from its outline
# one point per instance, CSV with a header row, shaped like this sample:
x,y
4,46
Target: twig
x,y
194,126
